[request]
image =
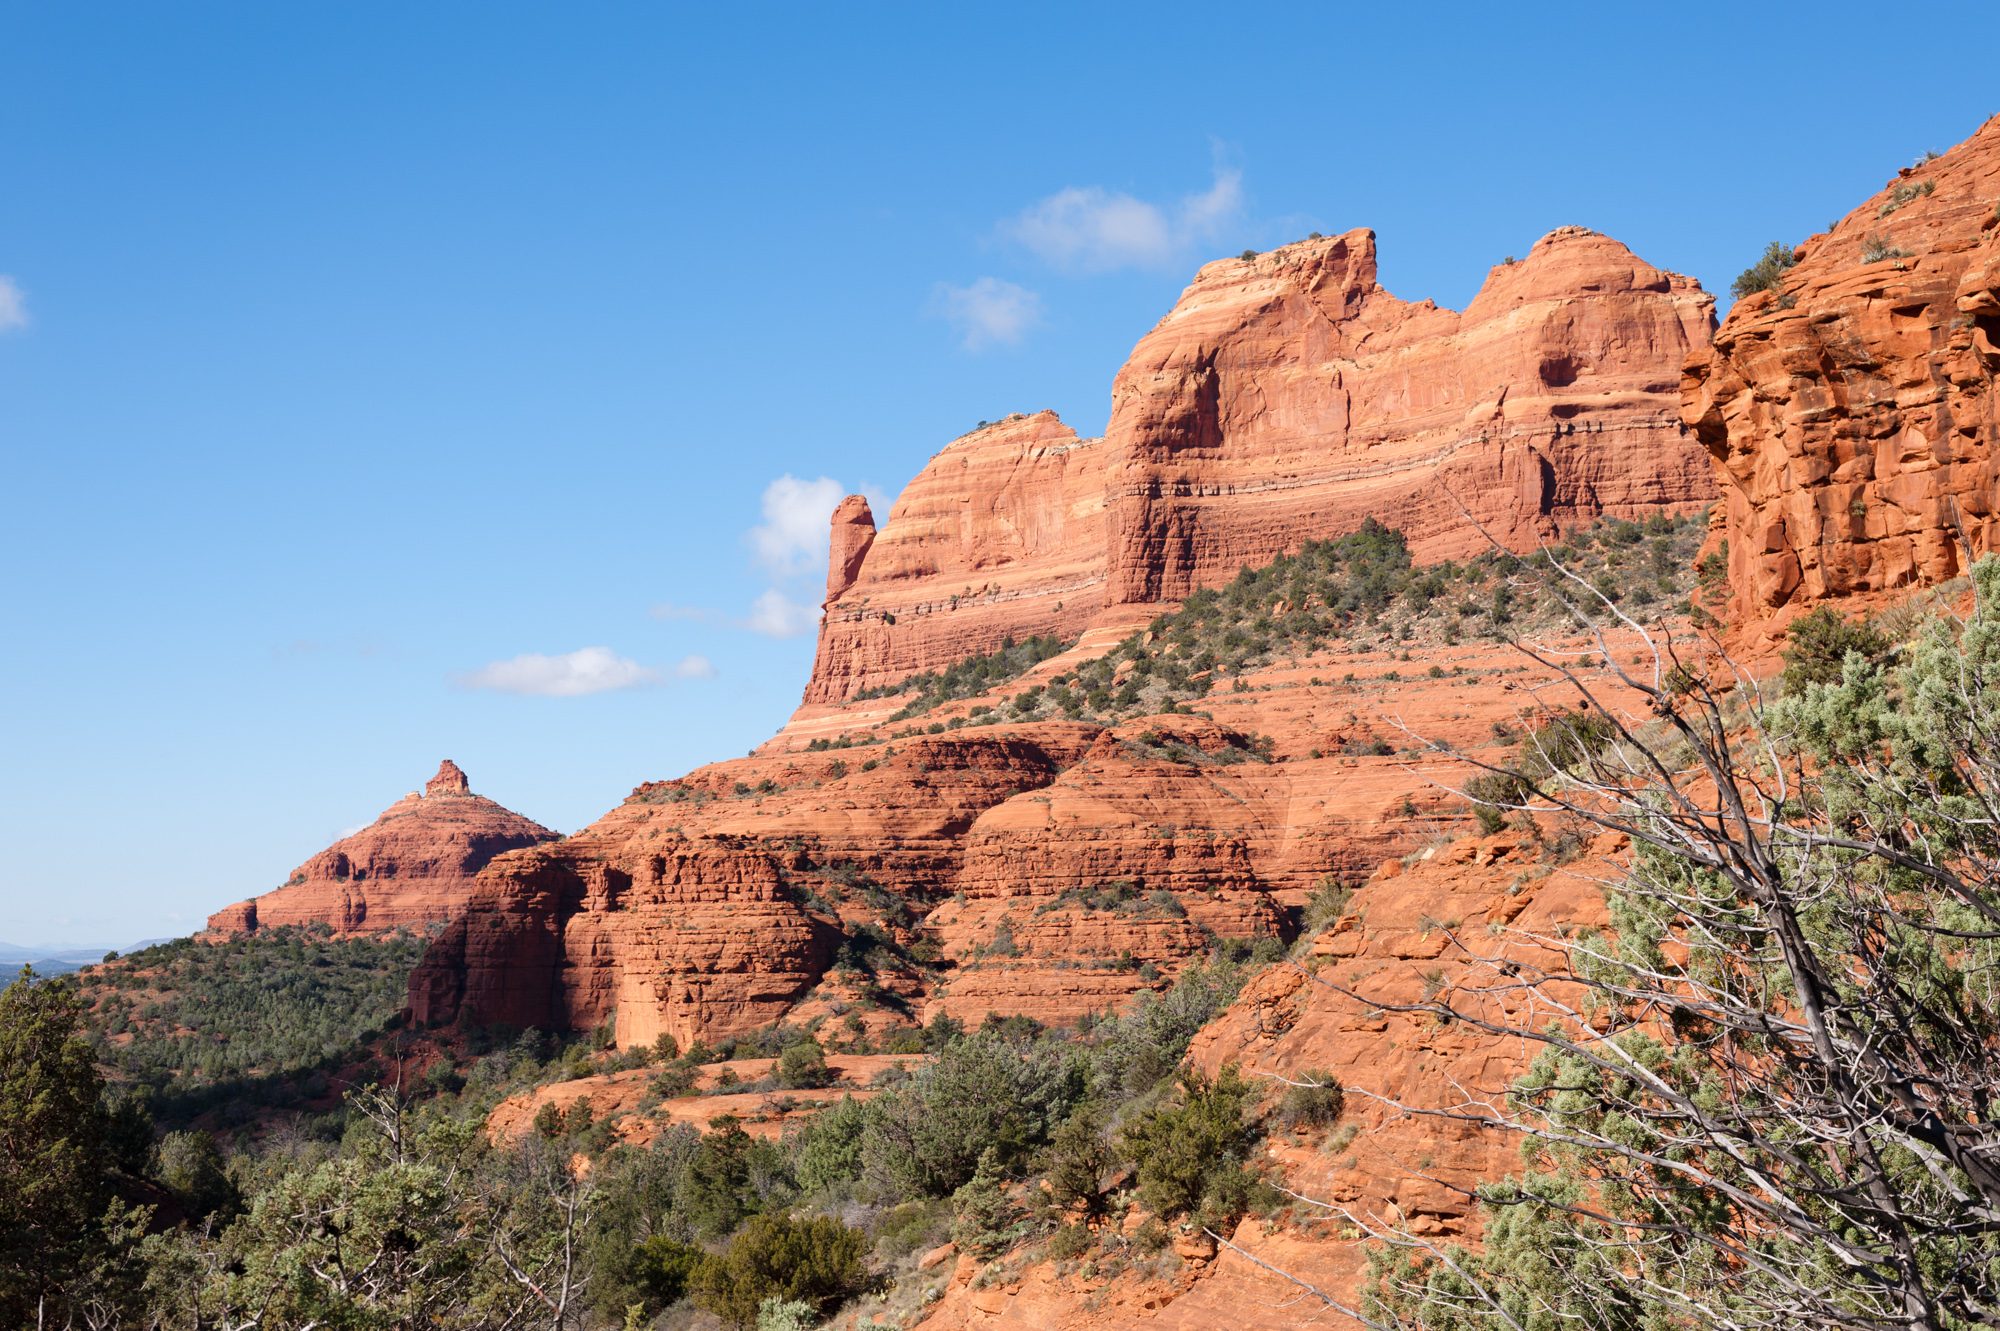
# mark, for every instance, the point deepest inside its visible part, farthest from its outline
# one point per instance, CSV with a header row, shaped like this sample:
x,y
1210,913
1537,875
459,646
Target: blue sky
x,y
380,383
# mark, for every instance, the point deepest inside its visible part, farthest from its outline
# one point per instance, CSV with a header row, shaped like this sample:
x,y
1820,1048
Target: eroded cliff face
x,y
1001,535
1284,398
1289,396
413,866
1851,411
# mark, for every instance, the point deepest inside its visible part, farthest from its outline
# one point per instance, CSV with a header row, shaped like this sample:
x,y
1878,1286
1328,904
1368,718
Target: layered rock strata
x,y
1851,409
1288,396
412,867
1001,535
1285,397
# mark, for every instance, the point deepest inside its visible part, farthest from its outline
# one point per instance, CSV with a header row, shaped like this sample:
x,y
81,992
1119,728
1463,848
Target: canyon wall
x,y
1001,535
413,866
1288,396
1851,409
1284,398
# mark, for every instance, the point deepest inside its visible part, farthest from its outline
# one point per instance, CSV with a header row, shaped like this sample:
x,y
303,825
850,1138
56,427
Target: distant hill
x,y
61,958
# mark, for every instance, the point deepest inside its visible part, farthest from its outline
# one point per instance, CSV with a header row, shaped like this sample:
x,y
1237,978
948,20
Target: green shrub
x,y
1818,645
803,1067
1907,192
1765,274
1077,1158
1327,903
983,1218
786,1315
826,1153
816,1261
193,1168
1189,1154
1315,1105
1070,1242
1877,249
664,1268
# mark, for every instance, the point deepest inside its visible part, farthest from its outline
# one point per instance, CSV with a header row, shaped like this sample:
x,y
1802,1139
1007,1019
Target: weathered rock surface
x,y
413,866
1001,534
1285,398
620,1098
1852,412
1289,396
1407,935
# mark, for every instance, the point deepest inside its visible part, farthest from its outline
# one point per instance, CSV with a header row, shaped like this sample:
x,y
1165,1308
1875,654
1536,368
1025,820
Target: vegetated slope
x,y
1355,591
1061,843
246,1023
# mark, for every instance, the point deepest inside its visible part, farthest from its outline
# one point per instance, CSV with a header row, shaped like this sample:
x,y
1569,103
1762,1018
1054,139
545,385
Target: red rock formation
x,y
1851,412
702,908
1407,932
413,866
1285,398
853,534
1288,396
1001,534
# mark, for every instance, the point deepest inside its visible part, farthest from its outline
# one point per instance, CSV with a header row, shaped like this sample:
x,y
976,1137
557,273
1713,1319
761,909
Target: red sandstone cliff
x,y
1001,534
413,866
1852,412
1284,398
1288,396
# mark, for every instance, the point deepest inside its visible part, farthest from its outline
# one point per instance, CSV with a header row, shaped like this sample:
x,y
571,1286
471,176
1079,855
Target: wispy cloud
x,y
667,610
776,615
988,312
570,675
792,537
694,666
1092,229
13,305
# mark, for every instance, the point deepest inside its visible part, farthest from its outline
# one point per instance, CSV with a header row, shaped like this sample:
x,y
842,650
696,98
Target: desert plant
x,y
1765,274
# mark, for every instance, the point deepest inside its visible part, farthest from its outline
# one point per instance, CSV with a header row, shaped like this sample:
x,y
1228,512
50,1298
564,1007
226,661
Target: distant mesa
x,y
413,866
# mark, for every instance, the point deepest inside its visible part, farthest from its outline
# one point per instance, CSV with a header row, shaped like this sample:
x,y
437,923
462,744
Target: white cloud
x,y
570,675
694,666
776,615
667,610
13,305
1091,229
792,537
989,311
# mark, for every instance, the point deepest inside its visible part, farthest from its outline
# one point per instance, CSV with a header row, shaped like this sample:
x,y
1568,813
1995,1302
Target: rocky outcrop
x,y
1408,933
853,534
1048,868
1284,398
413,866
1851,410
1002,534
710,906
1288,396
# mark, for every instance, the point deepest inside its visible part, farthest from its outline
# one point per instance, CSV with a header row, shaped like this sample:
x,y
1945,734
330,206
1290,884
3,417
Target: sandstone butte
x,y
412,867
1285,397
1851,410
